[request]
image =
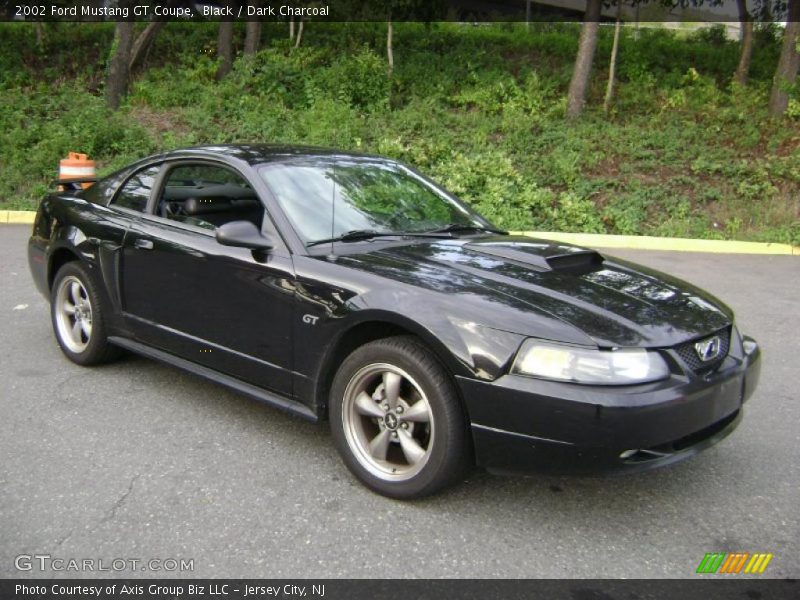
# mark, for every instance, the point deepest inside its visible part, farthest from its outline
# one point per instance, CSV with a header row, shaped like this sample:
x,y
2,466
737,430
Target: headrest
x,y
205,206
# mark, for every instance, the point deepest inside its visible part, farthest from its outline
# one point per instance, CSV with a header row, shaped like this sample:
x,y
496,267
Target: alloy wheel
x,y
73,314
388,422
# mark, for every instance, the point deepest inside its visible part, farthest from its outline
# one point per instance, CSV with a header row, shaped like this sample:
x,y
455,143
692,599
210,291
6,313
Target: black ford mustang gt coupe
x,y
351,288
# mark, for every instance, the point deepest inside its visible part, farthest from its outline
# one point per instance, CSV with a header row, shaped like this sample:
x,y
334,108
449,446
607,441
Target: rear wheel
x,y
396,419
78,314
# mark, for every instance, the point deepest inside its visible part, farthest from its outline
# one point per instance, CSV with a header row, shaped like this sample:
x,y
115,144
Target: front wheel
x,y
397,421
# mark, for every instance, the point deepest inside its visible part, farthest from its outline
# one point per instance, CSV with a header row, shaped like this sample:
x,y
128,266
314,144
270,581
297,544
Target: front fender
x,y
466,347
335,304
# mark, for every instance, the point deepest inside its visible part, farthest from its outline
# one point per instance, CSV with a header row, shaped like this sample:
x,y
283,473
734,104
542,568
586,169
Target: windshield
x,y
369,195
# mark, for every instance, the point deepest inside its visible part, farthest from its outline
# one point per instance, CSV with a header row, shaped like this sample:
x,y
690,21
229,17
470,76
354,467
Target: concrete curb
x,y
634,242
17,216
645,242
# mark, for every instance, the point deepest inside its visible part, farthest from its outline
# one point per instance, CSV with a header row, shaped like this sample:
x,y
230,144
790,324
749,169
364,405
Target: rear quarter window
x,y
102,191
135,192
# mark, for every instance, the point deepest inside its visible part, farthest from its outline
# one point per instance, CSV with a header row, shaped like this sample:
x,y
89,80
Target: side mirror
x,y
242,234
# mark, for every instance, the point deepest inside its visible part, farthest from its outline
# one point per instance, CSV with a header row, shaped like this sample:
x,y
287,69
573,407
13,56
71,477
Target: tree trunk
x,y
118,71
746,53
39,34
788,64
252,38
612,67
389,48
143,43
291,28
299,34
527,15
582,71
224,48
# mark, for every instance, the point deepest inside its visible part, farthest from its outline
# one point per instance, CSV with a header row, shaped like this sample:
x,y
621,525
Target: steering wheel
x,y
170,210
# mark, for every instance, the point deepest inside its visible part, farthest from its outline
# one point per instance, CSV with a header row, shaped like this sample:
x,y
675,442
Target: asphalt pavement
x,y
137,460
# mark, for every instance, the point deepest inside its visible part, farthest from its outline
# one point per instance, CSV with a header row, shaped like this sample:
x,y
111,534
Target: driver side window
x,y
208,196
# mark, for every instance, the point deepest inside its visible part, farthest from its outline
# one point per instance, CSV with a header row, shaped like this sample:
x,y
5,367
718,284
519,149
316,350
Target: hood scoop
x,y
543,256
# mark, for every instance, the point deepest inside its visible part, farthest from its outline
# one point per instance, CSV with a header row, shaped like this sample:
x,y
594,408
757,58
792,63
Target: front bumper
x,y
521,424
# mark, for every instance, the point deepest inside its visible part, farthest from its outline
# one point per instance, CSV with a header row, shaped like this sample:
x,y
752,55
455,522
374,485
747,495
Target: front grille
x,y
689,355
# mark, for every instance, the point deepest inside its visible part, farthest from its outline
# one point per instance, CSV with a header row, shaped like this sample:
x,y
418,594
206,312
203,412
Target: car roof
x,y
256,154
253,154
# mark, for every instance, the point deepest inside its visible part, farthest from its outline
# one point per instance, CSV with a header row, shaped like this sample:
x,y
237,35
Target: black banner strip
x,y
710,588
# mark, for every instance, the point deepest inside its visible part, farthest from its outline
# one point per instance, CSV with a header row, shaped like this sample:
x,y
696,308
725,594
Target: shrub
x,y
479,109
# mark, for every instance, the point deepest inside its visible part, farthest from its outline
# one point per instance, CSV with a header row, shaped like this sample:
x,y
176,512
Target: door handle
x,y
143,244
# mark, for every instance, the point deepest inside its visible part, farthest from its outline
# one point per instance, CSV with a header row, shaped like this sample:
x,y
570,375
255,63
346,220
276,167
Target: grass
x,y
480,109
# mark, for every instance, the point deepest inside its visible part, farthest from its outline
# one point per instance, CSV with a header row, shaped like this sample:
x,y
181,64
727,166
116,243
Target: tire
x,y
78,313
396,419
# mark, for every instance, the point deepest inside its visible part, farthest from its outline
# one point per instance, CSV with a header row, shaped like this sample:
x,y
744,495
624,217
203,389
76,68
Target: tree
x,y
119,67
144,41
578,85
39,34
746,53
788,63
401,10
252,36
389,48
142,44
612,66
224,49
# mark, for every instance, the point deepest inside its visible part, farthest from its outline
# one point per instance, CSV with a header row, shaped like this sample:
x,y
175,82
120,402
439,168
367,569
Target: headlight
x,y
586,365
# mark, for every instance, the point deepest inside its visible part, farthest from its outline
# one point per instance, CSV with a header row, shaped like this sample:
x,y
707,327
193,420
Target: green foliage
x,y
41,125
360,79
479,108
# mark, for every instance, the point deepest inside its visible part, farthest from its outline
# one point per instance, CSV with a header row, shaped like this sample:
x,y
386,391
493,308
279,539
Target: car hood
x,y
523,285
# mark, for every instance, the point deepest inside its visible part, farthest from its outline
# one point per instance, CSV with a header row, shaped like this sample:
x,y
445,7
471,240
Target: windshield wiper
x,y
368,234
467,227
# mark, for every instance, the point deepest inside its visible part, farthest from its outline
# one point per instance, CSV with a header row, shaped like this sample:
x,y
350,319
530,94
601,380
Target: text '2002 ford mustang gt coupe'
x,y
351,288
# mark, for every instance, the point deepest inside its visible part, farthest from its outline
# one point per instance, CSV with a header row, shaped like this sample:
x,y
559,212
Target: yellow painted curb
x,y
646,242
600,240
17,216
